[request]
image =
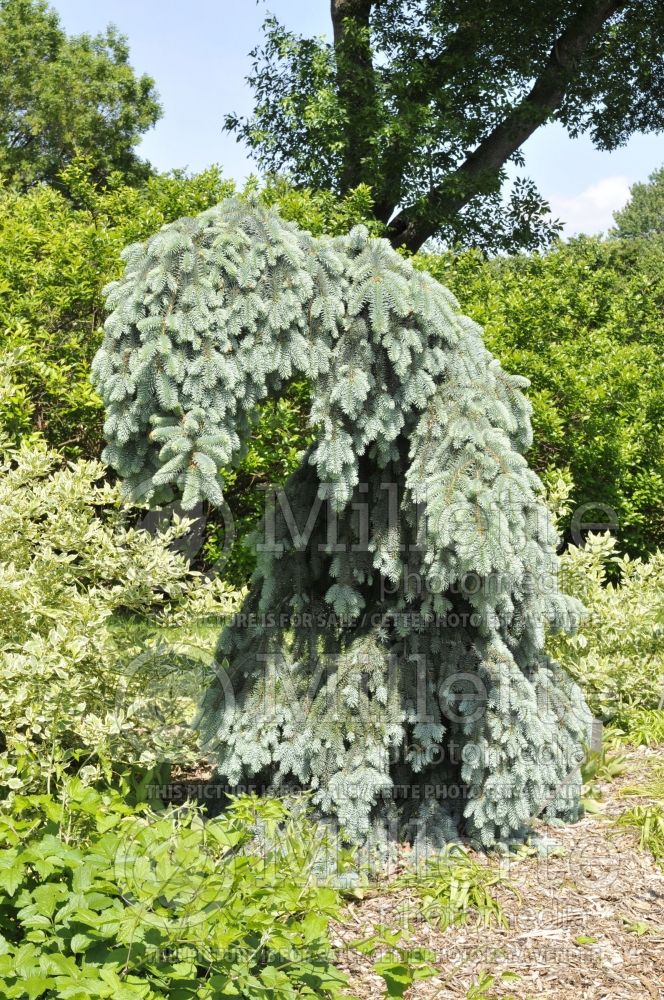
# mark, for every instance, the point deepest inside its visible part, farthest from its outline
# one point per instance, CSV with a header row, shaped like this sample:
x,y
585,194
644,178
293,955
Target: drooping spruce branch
x,y
393,634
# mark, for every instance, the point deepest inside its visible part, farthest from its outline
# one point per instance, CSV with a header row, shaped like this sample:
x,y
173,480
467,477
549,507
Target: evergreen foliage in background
x,y
374,644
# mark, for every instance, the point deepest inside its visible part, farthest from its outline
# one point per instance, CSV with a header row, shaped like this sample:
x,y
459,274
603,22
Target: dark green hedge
x,y
585,322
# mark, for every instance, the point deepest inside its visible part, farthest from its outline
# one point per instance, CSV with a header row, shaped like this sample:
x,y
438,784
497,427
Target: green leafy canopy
x,y
643,215
61,96
429,103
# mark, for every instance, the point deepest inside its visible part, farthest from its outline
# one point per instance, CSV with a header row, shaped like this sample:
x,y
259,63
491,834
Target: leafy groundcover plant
x,y
101,899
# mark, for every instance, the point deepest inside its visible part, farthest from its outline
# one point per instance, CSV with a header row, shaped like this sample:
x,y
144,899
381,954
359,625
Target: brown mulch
x,y
598,887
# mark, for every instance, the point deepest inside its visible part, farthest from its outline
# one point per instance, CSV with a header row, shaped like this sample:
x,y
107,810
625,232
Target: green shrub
x,y
585,324
617,654
84,668
55,258
99,899
273,452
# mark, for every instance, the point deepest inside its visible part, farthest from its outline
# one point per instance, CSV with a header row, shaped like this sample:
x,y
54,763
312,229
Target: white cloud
x,y
592,210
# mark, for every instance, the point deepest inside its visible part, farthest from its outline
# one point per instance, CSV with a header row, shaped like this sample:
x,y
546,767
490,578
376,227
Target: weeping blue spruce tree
x,y
390,652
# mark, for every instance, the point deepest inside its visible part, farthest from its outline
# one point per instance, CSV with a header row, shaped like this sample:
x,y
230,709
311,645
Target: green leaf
x,y
36,986
583,939
314,926
80,943
11,872
397,975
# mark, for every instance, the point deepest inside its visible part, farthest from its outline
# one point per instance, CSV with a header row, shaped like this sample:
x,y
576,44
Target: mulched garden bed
x,y
589,923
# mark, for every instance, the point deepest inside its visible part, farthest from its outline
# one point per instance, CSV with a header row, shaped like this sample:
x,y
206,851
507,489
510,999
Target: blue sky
x,y
197,52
